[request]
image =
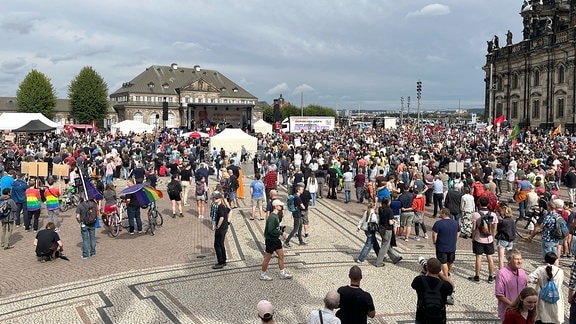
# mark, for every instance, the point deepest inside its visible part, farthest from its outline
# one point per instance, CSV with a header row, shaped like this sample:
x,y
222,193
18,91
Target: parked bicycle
x,y
117,219
70,198
155,219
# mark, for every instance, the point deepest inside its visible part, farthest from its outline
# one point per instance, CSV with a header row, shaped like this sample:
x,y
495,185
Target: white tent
x,y
129,125
232,139
262,127
10,121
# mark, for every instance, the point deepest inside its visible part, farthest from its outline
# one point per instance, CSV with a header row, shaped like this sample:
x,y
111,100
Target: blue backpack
x,y
549,292
290,204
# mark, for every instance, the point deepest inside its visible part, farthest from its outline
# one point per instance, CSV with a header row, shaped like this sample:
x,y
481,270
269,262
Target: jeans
x,y
109,179
437,202
32,216
549,247
53,216
297,229
347,196
134,213
21,207
313,195
522,208
360,194
371,242
88,236
386,249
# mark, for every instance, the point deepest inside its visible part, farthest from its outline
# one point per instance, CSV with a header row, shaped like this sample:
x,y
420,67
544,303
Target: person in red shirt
x,y
270,180
523,308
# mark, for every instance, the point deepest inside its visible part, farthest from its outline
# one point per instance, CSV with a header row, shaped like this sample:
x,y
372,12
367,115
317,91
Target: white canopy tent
x,y
232,139
262,127
11,121
129,125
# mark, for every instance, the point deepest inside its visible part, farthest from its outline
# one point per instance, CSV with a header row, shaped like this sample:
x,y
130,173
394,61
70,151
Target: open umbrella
x,y
196,134
144,193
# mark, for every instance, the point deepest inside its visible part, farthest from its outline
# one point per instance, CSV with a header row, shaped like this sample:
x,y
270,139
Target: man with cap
x,y
265,311
297,215
272,233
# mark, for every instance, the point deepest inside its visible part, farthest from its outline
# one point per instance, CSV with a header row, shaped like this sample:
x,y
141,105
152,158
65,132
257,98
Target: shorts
x,y
446,257
257,202
406,218
305,220
273,245
232,195
201,198
482,248
175,197
504,244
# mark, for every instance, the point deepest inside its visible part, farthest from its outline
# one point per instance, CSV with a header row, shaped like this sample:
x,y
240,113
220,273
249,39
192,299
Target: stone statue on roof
x,y
508,38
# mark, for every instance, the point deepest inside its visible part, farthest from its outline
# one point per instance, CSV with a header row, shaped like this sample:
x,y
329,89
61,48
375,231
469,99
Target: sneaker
x,y
417,238
131,233
450,300
490,279
360,262
17,226
173,215
302,243
397,260
406,240
475,279
306,235
286,275
265,277
181,215
287,245
139,232
425,236
84,258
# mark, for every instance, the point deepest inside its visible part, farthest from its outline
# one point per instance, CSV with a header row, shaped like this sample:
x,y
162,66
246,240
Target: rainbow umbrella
x,y
144,193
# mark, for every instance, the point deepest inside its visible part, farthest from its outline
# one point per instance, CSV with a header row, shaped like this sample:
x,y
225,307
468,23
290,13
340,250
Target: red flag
x,y
94,128
211,133
514,141
499,120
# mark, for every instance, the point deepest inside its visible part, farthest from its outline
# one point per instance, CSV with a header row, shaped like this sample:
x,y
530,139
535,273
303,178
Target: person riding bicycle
x,y
110,201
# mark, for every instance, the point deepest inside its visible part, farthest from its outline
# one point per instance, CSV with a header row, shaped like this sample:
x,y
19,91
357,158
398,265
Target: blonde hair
x,y
507,212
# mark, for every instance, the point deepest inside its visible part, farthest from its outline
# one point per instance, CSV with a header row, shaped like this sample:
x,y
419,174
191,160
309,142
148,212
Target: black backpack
x,y
91,215
432,304
172,187
5,208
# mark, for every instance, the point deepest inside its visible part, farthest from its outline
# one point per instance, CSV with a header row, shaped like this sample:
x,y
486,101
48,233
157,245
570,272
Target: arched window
x,y
515,81
561,74
138,117
536,78
171,122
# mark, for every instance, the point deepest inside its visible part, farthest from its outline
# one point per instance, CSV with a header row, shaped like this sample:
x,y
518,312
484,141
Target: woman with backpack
x,y
201,195
550,308
174,189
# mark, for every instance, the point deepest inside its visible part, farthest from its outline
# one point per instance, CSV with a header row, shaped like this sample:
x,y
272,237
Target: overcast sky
x,y
351,54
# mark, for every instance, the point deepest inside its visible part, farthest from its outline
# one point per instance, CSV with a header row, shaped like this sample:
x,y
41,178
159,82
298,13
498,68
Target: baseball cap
x,y
277,202
265,309
300,184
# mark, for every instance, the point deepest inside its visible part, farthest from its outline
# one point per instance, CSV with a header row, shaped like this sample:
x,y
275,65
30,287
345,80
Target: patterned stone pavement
x,y
167,278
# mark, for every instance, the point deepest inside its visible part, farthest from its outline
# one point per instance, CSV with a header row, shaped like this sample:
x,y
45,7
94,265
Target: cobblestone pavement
x,y
167,278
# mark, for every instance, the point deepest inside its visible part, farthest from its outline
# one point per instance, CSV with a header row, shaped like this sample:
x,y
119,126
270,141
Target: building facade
x,y
172,96
532,82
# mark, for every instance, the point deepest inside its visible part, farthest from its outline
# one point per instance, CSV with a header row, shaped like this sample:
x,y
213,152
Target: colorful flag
x,y
514,141
557,131
515,132
499,120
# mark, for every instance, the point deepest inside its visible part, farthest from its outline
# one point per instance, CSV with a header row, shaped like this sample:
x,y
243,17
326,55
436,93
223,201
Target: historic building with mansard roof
x,y
194,97
532,82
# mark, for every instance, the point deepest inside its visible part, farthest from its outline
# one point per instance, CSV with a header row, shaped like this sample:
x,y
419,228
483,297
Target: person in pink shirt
x,y
510,281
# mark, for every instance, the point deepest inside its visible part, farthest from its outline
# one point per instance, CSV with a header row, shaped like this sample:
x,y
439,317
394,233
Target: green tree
x,y
88,95
36,94
291,110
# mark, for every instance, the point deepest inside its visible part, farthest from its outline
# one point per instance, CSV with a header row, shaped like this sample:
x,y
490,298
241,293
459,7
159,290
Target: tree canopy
x,y
36,94
291,110
88,94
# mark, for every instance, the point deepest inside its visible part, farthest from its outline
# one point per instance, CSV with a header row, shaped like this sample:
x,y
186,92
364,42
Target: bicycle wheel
x,y
522,227
159,218
114,225
151,224
63,206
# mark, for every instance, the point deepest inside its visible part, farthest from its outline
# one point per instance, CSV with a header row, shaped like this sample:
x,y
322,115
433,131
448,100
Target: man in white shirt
x,y
331,302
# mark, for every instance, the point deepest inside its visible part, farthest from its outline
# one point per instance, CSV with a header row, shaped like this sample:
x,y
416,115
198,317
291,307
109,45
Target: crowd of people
x,y
461,173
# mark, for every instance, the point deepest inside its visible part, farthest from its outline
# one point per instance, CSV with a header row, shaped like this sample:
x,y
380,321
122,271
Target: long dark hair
x,y
518,303
550,259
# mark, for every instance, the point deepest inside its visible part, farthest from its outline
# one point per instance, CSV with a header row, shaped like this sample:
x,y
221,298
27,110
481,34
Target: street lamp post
x,y
419,96
401,111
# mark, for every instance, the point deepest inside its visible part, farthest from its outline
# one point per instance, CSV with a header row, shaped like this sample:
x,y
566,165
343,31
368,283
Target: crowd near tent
x,y
232,139
262,127
27,122
128,126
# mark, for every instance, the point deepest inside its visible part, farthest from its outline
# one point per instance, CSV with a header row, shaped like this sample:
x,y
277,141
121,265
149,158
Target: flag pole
x,y
83,183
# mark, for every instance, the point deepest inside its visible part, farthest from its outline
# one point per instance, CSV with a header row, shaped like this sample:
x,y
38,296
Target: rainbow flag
x,y
515,132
